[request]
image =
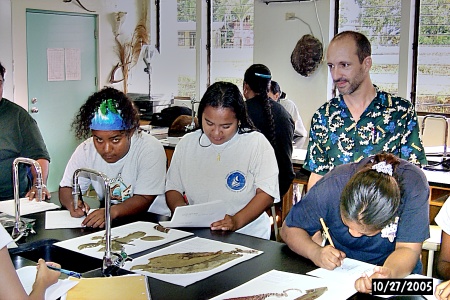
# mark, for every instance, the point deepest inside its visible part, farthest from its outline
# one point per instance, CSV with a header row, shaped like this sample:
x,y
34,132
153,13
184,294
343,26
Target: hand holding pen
x,y
330,257
64,271
82,205
45,277
82,208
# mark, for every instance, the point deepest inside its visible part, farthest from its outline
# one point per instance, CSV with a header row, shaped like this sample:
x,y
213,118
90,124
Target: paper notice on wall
x,y
55,64
73,63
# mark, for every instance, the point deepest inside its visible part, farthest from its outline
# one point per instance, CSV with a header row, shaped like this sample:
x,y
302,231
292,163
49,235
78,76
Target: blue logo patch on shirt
x,y
236,180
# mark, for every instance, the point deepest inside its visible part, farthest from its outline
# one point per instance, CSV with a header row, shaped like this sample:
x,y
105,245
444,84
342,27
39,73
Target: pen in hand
x,y
327,233
80,198
64,271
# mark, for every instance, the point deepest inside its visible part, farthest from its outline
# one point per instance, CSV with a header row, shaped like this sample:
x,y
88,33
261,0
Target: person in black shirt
x,y
272,119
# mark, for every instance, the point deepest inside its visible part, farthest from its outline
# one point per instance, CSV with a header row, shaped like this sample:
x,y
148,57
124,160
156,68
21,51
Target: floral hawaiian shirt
x,y
389,124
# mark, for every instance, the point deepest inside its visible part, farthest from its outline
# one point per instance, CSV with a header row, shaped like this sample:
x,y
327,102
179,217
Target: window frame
x,y
412,68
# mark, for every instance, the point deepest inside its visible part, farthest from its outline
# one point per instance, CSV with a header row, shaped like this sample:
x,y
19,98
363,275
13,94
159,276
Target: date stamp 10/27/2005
x,y
403,286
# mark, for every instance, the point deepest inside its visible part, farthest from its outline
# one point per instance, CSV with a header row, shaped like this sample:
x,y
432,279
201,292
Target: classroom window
x,y
427,71
181,67
433,62
232,40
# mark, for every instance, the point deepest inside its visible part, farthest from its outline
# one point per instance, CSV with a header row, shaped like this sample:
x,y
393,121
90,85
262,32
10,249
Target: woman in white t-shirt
x,y
134,161
226,159
10,285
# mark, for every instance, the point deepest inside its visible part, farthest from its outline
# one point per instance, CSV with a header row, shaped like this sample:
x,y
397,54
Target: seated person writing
x,y
381,218
134,161
226,159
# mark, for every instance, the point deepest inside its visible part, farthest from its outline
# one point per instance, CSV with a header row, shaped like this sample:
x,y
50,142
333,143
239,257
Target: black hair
x,y
128,112
371,197
2,71
227,95
363,47
275,87
258,78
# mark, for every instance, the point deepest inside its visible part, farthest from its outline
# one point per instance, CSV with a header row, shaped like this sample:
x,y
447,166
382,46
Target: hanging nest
x,y
307,55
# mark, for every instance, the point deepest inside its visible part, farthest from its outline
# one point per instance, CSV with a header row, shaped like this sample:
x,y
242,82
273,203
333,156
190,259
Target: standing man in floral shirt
x,y
362,120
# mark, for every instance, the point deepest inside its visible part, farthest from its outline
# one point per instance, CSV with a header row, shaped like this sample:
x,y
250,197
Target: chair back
x,y
434,131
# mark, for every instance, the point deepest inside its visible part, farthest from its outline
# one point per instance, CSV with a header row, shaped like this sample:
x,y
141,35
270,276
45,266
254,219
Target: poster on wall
x,y
55,64
72,63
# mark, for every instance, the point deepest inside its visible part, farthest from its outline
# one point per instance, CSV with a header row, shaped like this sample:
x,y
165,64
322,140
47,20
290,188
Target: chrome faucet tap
x,y
20,229
192,125
110,259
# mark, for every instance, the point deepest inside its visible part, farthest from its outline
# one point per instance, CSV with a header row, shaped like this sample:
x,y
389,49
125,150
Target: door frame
x,y
19,42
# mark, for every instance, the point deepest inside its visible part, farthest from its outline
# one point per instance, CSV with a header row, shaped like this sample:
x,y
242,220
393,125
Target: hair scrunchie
x,y
383,167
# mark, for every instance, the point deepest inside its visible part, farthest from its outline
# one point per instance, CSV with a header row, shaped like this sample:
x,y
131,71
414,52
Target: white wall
x,y
107,57
275,39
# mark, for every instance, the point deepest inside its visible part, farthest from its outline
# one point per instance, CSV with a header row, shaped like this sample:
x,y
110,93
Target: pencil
x,y
80,198
64,271
327,233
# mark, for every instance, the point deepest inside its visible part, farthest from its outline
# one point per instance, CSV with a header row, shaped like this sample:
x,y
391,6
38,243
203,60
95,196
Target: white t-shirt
x,y
247,162
290,106
5,238
443,217
141,171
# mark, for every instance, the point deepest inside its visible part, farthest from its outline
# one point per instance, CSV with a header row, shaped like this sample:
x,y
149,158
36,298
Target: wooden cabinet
x,y
438,195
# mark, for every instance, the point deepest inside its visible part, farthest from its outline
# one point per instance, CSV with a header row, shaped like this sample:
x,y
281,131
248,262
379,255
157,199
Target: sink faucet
x,y
20,229
110,259
192,125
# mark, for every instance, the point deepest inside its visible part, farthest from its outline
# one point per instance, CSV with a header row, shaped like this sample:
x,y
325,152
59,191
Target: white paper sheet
x,y
72,63
133,247
346,274
62,219
195,244
55,64
26,206
283,285
199,215
27,275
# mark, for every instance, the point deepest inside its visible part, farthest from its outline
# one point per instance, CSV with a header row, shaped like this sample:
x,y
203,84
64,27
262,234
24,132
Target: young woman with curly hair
x,y
134,161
